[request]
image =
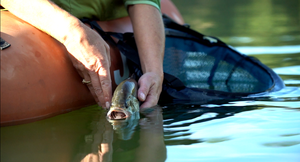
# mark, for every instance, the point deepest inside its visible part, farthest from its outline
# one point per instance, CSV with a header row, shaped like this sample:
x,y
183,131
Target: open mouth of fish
x,y
117,114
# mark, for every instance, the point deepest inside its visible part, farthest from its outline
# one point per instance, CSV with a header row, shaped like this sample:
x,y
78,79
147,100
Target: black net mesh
x,y
214,68
198,67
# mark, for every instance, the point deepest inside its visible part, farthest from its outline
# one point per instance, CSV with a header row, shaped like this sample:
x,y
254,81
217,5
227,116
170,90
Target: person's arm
x,y
150,38
89,52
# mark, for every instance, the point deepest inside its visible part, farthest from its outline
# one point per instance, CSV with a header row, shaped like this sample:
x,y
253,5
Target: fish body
x,y
124,111
124,102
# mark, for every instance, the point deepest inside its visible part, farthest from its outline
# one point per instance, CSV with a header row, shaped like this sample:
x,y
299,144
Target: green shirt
x,y
101,9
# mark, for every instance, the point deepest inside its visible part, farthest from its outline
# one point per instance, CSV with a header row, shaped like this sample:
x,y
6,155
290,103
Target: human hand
x,y
150,40
91,57
89,52
150,87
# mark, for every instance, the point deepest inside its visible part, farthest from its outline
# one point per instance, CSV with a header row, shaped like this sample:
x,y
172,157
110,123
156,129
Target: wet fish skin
x,y
124,113
124,102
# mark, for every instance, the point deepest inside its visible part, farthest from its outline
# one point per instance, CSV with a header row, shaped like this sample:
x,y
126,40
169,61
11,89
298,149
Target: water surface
x,y
262,129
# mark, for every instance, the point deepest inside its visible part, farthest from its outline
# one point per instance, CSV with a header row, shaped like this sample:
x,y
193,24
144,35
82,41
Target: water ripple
x,y
288,70
263,132
250,50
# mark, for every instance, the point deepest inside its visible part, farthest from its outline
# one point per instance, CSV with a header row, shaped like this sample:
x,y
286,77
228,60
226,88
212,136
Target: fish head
x,y
129,109
124,111
124,101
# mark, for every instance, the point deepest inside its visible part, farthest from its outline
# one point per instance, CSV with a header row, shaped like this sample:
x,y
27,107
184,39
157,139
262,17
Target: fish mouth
x,y
117,114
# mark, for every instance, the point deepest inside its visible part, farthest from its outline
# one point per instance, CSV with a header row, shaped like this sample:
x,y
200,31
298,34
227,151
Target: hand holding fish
x,y
150,87
91,58
150,40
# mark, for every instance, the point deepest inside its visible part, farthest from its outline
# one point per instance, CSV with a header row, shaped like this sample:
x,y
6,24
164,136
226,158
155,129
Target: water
x,y
265,129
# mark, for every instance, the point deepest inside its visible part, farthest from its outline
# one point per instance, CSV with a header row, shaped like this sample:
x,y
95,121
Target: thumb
x,y
143,91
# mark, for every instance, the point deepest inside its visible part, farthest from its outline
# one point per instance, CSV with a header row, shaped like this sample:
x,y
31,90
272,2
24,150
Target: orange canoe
x,y
38,79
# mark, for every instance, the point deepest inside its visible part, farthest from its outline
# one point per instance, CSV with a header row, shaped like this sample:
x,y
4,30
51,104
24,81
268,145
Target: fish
x,y
124,112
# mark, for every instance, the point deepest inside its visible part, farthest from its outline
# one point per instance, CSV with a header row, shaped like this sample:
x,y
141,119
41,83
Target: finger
x,y
86,77
145,93
96,87
90,86
105,80
150,101
144,88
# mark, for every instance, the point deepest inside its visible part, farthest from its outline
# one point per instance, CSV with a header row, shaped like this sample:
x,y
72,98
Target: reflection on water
x,y
261,129
84,135
259,134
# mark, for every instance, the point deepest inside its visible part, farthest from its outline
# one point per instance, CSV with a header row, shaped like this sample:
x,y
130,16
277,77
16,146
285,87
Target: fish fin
x,y
133,76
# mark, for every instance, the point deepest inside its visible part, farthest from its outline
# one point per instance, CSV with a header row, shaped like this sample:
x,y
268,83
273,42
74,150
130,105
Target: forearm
x,y
150,37
46,16
89,53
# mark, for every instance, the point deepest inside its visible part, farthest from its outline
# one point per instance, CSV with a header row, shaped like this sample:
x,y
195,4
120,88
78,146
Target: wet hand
x,y
88,51
91,57
150,87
